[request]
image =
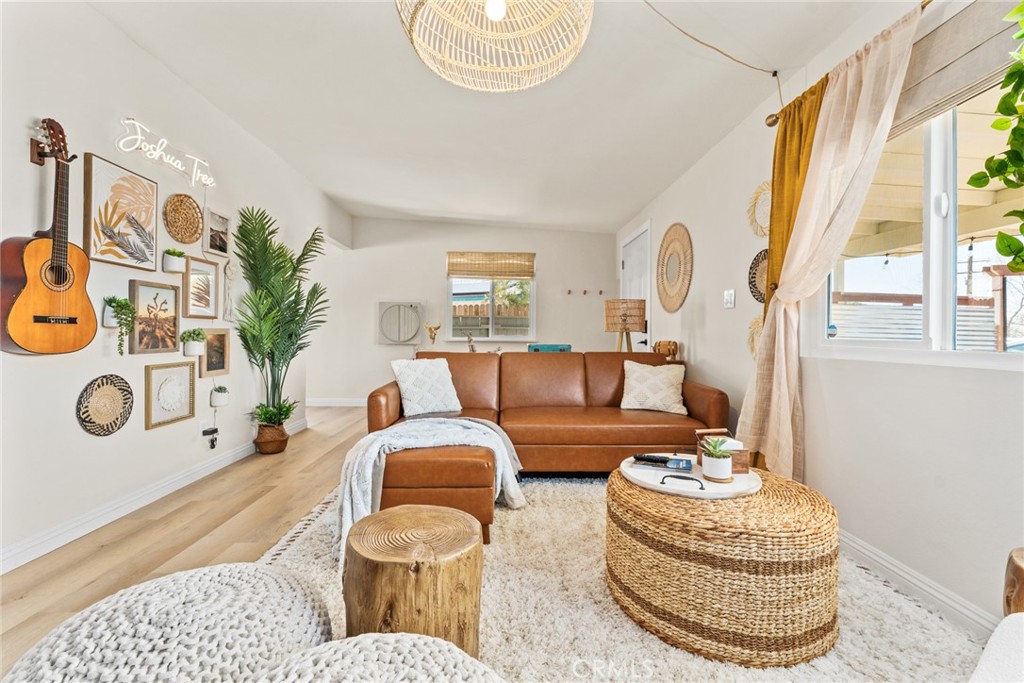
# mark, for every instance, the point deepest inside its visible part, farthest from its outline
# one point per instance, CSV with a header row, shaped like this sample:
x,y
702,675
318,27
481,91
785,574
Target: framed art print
x,y
217,359
156,317
120,215
170,393
201,285
217,237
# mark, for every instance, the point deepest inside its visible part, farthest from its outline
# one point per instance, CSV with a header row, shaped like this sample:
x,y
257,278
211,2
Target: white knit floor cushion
x,y
426,386
228,622
383,658
653,387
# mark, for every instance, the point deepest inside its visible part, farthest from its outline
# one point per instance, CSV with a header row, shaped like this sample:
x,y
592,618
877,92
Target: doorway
x,y
635,282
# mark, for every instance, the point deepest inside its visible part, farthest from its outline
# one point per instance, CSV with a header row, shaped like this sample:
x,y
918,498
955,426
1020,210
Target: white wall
x,y
396,260
956,529
69,63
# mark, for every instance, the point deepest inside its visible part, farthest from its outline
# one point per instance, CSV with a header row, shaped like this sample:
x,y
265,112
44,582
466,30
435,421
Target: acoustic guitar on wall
x,y
43,302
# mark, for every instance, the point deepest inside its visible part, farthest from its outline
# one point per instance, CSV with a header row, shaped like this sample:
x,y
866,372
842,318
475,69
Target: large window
x,y
491,296
920,270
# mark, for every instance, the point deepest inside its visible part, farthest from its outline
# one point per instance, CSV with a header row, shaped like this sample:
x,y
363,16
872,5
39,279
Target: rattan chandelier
x,y
496,45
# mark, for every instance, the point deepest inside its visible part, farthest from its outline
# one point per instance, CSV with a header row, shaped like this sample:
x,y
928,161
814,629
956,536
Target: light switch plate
x,y
729,298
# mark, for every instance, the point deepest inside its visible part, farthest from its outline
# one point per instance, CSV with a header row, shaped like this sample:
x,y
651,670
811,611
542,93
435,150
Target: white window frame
x,y
530,337
937,346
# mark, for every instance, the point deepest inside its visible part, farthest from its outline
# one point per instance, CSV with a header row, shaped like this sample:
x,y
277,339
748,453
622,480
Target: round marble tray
x,y
650,478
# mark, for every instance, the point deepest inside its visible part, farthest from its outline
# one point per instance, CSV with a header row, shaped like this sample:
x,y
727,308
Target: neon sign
x,y
136,139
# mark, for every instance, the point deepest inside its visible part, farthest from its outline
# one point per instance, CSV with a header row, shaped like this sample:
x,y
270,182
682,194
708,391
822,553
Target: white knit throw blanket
x,y
362,474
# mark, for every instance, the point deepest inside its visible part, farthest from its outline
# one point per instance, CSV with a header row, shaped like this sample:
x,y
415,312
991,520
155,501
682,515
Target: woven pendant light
x,y
533,42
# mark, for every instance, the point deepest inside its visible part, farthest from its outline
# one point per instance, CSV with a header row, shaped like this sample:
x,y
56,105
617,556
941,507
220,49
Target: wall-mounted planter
x,y
195,348
109,320
174,264
219,399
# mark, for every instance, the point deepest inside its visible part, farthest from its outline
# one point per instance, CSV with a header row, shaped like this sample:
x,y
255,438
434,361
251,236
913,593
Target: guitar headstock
x,y
54,140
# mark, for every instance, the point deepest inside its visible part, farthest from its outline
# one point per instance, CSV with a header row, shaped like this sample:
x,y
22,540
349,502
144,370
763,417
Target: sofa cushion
x,y
479,413
475,376
440,466
597,426
426,386
653,388
532,380
605,374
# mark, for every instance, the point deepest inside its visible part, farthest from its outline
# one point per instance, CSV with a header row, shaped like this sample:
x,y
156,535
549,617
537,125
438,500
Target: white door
x,y
636,278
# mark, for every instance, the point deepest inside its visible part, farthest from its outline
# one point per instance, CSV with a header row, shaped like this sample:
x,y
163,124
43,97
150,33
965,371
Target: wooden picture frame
x,y
121,220
156,317
170,393
217,234
200,288
217,358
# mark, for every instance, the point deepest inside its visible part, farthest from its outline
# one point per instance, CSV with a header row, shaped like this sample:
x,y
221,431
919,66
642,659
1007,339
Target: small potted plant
x,y
195,341
174,261
220,396
716,460
119,313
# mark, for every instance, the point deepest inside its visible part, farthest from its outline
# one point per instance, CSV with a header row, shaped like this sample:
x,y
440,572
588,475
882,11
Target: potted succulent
x,y
119,313
276,316
195,341
220,396
174,261
716,460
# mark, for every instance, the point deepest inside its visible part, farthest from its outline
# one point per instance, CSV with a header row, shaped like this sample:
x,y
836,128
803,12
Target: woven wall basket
x,y
533,43
183,218
759,211
757,276
675,267
105,405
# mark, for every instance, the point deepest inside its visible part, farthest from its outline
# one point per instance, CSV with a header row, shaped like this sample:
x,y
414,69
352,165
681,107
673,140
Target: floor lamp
x,y
625,316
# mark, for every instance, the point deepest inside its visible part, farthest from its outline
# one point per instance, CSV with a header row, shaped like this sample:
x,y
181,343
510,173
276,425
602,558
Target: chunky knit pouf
x,y
228,622
383,657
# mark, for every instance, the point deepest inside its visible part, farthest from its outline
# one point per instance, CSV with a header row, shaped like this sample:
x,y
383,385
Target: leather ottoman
x,y
460,477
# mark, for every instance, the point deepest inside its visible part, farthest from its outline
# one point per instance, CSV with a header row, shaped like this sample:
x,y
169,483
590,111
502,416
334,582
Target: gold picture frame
x,y
200,288
216,360
170,393
156,317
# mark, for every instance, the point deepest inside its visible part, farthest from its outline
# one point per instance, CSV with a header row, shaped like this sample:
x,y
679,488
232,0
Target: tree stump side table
x,y
415,569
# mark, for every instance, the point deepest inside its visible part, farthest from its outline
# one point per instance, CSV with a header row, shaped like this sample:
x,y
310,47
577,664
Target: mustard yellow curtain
x,y
797,122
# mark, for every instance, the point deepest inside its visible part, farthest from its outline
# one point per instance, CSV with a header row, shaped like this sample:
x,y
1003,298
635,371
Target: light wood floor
x,y
234,515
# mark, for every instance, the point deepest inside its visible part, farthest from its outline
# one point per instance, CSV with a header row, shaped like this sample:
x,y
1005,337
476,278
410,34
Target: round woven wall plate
x,y
183,218
757,276
105,405
759,211
675,267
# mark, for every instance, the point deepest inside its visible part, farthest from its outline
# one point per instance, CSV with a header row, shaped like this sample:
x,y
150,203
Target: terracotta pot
x,y
271,439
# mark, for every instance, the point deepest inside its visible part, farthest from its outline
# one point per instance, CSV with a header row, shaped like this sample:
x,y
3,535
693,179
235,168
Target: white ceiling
x,y
336,90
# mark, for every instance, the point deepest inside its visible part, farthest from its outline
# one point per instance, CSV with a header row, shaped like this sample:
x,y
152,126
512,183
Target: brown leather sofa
x,y
561,410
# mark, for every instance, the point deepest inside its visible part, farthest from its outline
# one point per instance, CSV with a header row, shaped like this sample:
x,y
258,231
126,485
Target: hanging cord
x,y
773,118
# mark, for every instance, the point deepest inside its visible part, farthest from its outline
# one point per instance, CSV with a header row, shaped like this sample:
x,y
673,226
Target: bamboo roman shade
x,y
491,265
963,57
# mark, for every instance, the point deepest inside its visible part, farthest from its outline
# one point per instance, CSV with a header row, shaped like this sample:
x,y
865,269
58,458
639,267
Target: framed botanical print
x,y
156,317
201,285
120,215
170,393
217,237
217,359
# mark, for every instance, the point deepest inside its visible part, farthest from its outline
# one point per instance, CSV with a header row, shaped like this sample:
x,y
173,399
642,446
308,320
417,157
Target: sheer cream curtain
x,y
856,116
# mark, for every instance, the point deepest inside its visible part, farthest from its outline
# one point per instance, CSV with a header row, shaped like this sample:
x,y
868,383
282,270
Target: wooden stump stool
x,y
415,569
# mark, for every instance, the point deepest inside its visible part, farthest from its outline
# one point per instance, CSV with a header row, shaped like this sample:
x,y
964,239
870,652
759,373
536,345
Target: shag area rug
x,y
547,615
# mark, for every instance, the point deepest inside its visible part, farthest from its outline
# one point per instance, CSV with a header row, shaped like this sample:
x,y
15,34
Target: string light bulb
x,y
495,9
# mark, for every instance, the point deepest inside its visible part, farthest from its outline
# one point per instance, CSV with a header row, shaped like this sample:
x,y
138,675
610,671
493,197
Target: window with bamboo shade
x,y
490,295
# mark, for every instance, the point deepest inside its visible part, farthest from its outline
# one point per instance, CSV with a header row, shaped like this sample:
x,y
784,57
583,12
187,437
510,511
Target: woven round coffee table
x,y
751,580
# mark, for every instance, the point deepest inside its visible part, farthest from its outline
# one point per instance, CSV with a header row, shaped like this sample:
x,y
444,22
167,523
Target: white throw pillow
x,y
426,386
653,387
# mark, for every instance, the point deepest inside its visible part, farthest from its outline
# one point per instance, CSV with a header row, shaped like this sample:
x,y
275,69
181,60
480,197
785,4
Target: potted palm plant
x,y
276,315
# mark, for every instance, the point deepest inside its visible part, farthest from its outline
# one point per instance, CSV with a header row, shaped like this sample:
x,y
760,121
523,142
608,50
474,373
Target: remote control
x,y
646,457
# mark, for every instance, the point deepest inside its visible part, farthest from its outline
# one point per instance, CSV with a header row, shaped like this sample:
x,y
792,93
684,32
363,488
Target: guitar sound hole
x,y
58,278
58,275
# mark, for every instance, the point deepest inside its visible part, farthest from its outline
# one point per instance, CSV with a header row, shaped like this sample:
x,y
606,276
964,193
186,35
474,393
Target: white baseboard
x,y
336,402
953,606
17,554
